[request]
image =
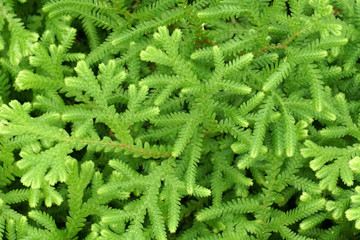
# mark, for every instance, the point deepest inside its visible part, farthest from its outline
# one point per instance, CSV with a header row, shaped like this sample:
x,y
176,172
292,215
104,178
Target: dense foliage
x,y
179,119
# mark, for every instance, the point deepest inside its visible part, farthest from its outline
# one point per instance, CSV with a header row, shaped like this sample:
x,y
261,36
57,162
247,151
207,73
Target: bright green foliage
x,y
176,119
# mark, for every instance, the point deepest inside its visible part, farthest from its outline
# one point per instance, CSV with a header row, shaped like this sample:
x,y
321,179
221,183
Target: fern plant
x,y
177,119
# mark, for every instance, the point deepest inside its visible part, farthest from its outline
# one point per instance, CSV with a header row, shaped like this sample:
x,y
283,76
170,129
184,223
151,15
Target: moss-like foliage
x,y
179,119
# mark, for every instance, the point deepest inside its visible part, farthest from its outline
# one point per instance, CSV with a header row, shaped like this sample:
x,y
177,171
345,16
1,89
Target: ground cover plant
x,y
179,119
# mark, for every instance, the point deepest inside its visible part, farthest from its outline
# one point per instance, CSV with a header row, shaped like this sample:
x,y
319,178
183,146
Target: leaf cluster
x,y
175,119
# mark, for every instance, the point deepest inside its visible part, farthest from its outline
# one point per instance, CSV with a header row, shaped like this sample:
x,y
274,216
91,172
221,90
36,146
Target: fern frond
x,y
223,12
316,87
97,11
77,184
277,77
16,196
289,133
10,229
217,187
158,224
233,87
264,60
4,86
305,210
144,27
312,221
278,141
28,80
154,9
303,184
251,103
43,219
262,120
171,119
238,206
91,33
193,159
174,210
21,38
232,46
307,56
238,63
184,137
